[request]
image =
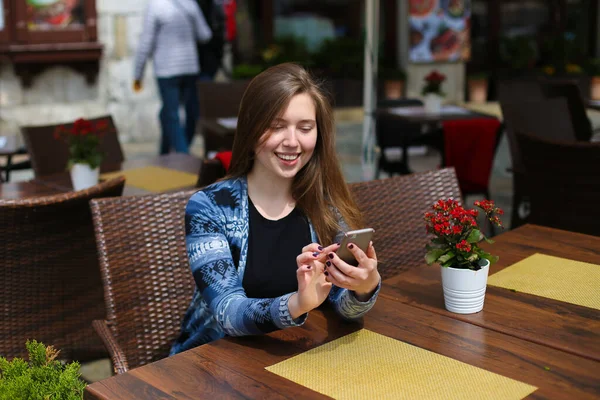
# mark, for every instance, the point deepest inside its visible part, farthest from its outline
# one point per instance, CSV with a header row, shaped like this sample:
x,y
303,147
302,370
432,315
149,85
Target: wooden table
x,y
418,115
429,130
177,161
61,183
546,343
21,190
234,367
555,324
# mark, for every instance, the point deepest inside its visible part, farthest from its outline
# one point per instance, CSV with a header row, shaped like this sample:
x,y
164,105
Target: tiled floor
x,y
349,152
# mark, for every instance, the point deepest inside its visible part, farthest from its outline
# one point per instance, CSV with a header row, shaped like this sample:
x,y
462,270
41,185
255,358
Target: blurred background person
x,y
210,54
171,30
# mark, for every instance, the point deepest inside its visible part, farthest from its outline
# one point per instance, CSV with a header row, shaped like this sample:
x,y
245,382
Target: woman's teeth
x,y
288,157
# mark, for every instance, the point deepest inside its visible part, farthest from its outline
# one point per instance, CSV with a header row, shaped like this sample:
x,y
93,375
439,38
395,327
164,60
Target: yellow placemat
x,y
367,365
155,179
556,278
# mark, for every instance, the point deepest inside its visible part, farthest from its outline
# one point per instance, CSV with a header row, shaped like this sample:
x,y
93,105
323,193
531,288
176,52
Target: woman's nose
x,y
290,138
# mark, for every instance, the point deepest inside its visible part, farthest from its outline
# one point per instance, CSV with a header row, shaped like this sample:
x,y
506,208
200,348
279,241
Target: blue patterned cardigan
x,y
216,223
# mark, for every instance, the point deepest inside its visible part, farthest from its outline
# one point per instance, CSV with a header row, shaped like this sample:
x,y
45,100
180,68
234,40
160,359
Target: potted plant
x,y
43,377
393,82
432,91
454,245
477,85
85,156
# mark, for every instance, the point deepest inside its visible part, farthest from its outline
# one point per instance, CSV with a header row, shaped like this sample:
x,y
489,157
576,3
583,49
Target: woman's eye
x,y
306,129
277,127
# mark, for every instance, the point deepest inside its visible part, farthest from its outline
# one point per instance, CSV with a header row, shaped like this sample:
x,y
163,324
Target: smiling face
x,y
290,141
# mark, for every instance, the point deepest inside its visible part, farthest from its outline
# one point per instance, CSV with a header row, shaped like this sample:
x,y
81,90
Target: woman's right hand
x,y
313,288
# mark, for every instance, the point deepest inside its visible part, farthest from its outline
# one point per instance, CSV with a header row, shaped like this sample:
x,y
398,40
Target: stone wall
x,y
60,94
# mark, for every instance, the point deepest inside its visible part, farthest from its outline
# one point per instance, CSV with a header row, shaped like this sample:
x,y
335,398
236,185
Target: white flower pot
x,y
464,289
433,103
83,177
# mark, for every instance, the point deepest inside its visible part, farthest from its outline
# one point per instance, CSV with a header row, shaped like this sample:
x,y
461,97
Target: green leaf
x,y
432,255
490,241
446,257
474,236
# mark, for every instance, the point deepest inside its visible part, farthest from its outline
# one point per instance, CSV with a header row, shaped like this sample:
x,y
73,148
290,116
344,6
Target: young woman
x,y
260,241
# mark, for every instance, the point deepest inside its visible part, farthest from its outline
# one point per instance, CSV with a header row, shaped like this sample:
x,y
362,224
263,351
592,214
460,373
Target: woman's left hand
x,y
362,279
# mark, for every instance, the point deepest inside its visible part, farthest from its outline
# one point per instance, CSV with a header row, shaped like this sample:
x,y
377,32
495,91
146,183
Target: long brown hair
x,y
319,188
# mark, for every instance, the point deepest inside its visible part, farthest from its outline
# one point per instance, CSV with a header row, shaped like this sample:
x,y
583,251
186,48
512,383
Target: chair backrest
x,y
50,156
511,90
51,286
395,207
570,91
211,171
148,285
563,181
220,99
545,118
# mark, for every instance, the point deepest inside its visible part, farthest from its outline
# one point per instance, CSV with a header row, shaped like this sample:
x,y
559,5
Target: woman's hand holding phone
x,y
313,287
362,279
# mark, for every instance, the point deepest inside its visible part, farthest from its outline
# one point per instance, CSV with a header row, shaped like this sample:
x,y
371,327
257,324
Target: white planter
x,y
83,177
464,289
433,103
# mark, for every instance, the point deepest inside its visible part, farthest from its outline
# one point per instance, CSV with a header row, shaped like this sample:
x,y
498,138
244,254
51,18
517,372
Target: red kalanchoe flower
x,y
456,233
83,140
463,245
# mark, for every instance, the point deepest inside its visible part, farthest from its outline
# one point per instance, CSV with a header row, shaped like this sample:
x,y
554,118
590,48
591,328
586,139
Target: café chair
x,y
544,118
51,285
395,207
50,156
218,100
147,281
570,91
393,134
563,182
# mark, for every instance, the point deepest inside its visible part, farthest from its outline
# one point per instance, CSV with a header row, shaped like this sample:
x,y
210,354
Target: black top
x,y
272,250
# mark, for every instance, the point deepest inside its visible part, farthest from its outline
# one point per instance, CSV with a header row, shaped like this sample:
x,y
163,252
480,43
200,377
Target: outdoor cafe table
x,y
176,161
571,328
21,190
235,367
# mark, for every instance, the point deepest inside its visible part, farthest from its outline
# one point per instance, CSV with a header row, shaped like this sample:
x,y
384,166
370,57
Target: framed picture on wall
x,y
439,30
55,21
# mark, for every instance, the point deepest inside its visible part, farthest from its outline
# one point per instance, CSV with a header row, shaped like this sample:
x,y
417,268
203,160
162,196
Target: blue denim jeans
x,y
173,91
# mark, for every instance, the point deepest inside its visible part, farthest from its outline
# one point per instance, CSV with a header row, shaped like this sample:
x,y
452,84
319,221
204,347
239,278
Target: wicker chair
x,y
147,281
395,208
51,285
49,156
563,181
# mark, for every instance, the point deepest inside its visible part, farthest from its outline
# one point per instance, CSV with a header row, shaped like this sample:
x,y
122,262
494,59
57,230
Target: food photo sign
x,y
439,30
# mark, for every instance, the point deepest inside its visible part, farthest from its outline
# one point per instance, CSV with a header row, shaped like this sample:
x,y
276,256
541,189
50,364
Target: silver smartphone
x,y
360,238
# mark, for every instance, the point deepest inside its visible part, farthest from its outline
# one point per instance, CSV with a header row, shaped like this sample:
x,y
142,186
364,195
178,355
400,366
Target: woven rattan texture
x,y
51,285
563,183
394,207
147,280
